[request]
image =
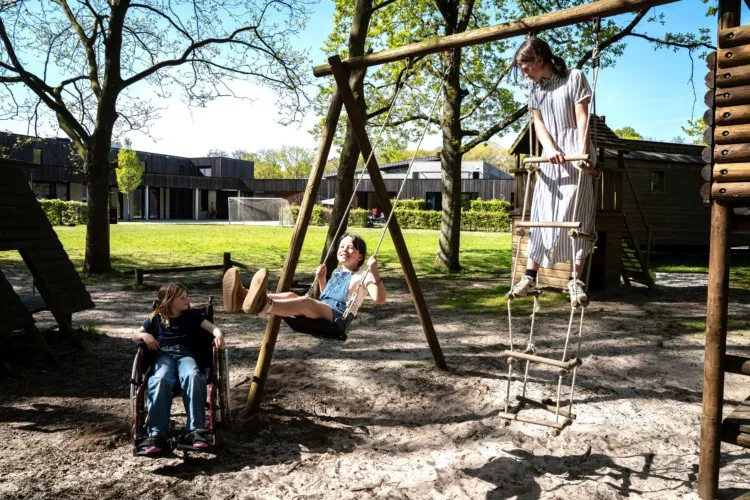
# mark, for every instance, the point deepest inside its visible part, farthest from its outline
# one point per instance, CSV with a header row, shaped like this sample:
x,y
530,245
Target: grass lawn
x,y
165,245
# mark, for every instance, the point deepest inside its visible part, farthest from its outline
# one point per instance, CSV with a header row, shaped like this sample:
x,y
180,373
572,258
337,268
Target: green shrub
x,y
320,216
358,217
480,205
61,212
410,204
418,219
295,212
485,221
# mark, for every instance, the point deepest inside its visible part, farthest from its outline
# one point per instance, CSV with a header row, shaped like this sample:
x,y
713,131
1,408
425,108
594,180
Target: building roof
x,y
658,157
604,137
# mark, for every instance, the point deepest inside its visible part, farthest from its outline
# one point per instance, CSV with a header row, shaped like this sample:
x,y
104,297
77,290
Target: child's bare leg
x,y
301,305
282,295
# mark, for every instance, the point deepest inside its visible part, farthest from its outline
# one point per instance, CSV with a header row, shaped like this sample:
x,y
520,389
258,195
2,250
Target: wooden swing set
x,y
729,174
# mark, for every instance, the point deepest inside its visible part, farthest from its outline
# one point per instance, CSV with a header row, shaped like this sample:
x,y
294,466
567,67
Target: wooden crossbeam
x,y
534,24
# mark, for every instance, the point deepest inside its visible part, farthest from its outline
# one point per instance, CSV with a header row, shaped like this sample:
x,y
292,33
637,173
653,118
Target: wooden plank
x,y
739,419
565,225
565,365
731,115
732,96
732,37
730,134
544,406
733,56
732,153
537,421
726,78
535,24
731,172
731,191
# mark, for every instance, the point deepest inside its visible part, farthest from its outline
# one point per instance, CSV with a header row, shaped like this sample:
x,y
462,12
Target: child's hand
x,y
372,263
321,272
150,341
219,339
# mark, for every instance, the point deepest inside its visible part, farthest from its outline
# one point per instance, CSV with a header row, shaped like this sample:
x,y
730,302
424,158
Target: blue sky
x,y
647,90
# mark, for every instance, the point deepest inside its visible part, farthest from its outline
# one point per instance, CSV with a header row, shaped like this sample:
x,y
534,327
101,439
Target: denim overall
x,y
335,295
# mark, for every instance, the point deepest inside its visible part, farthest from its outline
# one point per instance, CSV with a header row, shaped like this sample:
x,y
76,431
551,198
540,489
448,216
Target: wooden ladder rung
x,y
739,420
575,233
538,421
550,408
543,159
566,225
565,365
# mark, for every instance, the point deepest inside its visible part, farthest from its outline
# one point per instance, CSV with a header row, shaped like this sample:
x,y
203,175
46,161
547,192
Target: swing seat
x,y
318,327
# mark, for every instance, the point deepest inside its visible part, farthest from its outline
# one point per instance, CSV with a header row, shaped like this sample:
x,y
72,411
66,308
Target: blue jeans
x,y
336,292
175,362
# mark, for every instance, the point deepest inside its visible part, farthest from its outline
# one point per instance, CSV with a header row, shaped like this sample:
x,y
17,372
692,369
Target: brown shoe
x,y
256,298
234,292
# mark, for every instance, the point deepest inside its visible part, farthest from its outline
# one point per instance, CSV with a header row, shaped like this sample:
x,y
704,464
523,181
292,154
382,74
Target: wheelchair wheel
x,y
137,398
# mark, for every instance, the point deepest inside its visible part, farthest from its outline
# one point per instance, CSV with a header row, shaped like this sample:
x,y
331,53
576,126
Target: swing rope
x,y
345,215
573,237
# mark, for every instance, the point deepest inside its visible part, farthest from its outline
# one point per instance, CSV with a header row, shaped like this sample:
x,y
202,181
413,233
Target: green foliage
x,y
694,130
485,221
129,171
358,217
493,154
287,162
410,204
418,219
480,205
320,216
61,212
627,133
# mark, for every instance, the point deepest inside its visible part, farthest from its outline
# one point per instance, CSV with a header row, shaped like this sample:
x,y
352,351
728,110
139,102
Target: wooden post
x,y
227,262
535,24
716,322
358,126
268,344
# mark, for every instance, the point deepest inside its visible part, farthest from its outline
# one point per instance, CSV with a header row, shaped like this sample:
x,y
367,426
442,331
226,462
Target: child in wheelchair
x,y
172,335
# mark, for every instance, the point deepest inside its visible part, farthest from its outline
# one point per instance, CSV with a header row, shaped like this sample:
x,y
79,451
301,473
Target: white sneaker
x,y
578,296
525,286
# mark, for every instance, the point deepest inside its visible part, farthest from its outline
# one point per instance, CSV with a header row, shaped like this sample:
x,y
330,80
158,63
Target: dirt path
x,y
373,418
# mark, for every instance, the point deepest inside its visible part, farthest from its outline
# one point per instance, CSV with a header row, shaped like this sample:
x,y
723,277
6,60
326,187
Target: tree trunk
x,y
450,160
97,228
350,148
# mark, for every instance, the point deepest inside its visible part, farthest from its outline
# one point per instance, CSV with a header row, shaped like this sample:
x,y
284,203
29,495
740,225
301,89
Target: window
x,y
466,199
37,156
657,182
205,171
475,175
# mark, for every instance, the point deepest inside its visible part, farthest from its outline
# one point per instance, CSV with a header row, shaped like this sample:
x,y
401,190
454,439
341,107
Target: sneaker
x,y
256,299
234,292
198,439
578,295
525,286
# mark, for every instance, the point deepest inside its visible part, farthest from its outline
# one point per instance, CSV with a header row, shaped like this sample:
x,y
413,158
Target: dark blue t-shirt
x,y
182,330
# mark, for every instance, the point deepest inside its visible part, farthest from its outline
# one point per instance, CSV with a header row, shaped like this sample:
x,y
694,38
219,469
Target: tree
x,y
287,162
694,130
129,171
627,133
493,154
476,81
78,65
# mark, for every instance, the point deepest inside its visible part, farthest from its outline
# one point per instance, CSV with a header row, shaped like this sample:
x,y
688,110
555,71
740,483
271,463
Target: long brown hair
x,y
167,294
535,48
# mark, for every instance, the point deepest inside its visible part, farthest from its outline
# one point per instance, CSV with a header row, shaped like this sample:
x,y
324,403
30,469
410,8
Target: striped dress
x,y
556,185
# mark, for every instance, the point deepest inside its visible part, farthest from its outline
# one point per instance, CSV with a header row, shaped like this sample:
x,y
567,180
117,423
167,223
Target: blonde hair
x,y
167,294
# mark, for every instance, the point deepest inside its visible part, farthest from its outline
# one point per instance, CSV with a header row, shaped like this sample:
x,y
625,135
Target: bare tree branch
x,y
487,134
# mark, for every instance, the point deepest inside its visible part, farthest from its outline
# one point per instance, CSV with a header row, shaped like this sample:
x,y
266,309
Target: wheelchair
x,y
213,364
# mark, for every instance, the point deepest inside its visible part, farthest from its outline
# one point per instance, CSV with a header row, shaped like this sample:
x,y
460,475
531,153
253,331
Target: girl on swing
x,y
333,299
559,102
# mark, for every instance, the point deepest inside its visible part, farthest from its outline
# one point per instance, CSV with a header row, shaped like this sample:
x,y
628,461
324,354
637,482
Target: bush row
x,y
61,212
490,215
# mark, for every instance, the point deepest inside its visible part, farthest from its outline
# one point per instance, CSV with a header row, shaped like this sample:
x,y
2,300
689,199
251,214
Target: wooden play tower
x,y
728,175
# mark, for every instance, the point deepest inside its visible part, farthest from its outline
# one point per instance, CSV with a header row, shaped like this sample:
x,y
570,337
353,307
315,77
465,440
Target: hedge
x,y
491,220
61,212
480,205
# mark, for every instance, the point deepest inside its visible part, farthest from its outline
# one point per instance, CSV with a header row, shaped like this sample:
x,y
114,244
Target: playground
x,y
373,417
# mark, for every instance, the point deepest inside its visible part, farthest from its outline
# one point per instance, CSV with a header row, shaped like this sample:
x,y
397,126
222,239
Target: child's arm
x,y
141,335
375,288
215,331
